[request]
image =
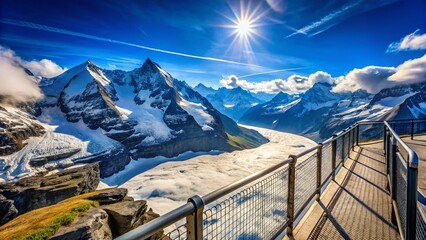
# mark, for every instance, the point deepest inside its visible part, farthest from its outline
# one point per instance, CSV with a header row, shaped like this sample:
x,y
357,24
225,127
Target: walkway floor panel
x,y
357,205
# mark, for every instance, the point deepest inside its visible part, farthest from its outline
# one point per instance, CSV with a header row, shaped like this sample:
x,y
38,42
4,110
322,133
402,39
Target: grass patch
x,y
44,222
62,220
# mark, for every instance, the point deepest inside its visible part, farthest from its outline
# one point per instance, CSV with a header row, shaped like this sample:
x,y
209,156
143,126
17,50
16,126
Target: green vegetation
x,y
60,221
44,222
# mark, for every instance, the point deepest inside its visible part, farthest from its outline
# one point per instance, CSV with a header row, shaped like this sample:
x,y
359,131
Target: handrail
x,y
413,160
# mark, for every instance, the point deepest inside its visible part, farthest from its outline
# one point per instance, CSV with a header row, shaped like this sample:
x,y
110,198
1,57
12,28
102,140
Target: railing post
x,y
353,138
319,166
333,155
195,220
290,196
411,202
412,129
343,144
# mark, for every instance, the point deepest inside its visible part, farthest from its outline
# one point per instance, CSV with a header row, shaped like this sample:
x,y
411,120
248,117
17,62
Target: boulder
x,y
92,224
109,196
39,191
125,216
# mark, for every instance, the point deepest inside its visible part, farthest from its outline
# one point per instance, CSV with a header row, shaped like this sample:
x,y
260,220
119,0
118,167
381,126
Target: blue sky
x,y
306,35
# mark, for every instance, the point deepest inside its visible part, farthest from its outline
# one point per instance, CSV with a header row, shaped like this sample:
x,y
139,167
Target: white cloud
x,y
413,41
43,68
371,79
411,71
375,78
16,85
294,83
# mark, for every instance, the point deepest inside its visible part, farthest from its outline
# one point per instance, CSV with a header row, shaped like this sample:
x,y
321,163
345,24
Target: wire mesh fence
x,y
346,145
339,147
421,222
402,128
401,189
306,182
178,232
419,127
371,132
326,164
256,212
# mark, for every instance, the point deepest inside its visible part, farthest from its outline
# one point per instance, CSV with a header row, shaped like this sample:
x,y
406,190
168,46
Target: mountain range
x,y
91,114
232,102
320,112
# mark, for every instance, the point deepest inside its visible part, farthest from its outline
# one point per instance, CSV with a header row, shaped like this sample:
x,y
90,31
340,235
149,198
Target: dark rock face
x,y
126,215
92,224
109,197
15,127
110,162
7,210
35,192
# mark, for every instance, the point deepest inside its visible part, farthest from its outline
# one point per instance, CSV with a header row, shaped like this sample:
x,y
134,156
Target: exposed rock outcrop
x,y
40,191
15,127
7,210
92,224
108,197
126,215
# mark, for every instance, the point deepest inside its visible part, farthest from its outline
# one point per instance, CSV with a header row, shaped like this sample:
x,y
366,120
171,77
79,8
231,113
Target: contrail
x,y
328,18
274,71
88,36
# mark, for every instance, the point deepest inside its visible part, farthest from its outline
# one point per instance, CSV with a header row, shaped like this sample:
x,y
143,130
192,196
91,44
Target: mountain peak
x,y
282,96
149,67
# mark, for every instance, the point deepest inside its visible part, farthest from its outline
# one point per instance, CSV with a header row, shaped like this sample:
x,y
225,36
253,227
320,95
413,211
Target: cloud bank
x,y
43,68
293,84
413,41
371,79
17,86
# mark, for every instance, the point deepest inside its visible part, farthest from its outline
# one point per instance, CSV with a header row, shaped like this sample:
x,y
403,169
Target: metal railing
x,y
272,201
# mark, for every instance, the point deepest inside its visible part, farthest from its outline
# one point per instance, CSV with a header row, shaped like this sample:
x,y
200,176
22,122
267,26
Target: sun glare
x,y
246,21
244,27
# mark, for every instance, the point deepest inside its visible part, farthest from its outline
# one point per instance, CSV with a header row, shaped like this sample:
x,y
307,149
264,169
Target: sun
x,y
246,21
244,27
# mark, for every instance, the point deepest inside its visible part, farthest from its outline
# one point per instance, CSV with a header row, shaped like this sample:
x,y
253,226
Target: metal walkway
x,y
357,204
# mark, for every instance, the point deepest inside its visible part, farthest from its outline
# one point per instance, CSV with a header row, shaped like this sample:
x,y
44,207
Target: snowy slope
x,y
167,183
90,114
59,137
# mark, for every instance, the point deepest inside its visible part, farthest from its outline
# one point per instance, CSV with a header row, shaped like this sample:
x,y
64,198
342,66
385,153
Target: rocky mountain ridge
x,y
113,116
320,112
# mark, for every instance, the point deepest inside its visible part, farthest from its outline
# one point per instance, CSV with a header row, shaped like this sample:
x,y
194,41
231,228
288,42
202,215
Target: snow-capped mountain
x,y
414,106
232,102
106,115
265,114
321,112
